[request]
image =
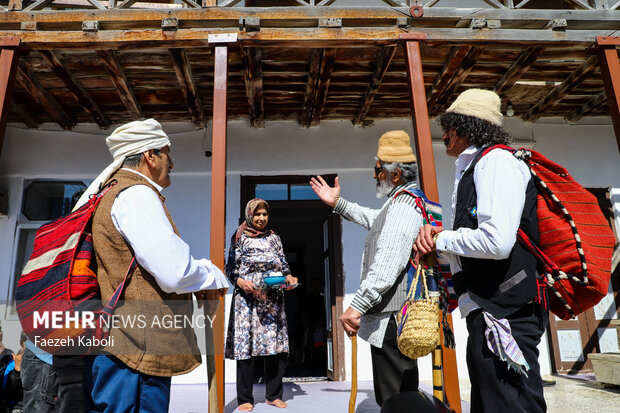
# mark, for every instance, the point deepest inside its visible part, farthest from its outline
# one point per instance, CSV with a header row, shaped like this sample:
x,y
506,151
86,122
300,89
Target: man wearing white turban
x,y
134,372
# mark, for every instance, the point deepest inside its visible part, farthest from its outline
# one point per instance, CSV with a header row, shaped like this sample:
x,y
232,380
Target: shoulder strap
x,y
109,308
420,202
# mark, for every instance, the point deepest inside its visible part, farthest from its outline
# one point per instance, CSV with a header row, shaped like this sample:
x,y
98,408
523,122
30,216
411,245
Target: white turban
x,y
129,139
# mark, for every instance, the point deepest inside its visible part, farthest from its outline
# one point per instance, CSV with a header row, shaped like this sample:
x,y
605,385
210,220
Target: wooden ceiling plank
x,y
74,86
25,117
461,74
253,76
518,68
588,107
117,75
325,74
454,61
560,91
44,98
383,63
309,97
185,77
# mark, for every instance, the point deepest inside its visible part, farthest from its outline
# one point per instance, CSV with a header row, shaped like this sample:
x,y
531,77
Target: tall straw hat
x,y
479,103
395,146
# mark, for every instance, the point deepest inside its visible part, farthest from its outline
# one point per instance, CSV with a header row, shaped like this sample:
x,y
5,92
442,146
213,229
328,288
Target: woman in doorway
x,y
257,322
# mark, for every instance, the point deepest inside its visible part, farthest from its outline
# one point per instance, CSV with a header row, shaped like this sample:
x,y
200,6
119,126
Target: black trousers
x,y
392,372
70,371
274,371
494,388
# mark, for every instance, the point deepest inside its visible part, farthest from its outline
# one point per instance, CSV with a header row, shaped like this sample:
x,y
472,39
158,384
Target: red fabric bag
x,y
576,242
59,285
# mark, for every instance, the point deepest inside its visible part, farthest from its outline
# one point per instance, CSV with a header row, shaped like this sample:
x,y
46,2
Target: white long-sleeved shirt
x,y
500,180
137,213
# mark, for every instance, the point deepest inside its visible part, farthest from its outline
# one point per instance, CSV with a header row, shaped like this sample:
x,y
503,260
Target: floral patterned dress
x,y
256,328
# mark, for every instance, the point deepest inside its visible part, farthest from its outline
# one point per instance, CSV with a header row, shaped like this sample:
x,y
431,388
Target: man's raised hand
x,y
328,194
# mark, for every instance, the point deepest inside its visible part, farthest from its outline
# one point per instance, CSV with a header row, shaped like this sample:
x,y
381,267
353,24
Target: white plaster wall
x,y
589,151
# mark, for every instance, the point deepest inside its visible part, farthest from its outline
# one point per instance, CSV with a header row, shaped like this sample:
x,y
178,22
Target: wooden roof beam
x,y
313,75
383,63
185,77
25,117
295,37
461,74
117,74
45,99
290,13
325,74
588,107
74,86
253,75
443,79
560,91
519,67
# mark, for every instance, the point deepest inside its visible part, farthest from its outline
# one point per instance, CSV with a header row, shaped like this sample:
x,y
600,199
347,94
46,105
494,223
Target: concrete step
x,y
606,367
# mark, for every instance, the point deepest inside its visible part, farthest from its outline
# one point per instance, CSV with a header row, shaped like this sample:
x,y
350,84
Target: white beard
x,y
384,188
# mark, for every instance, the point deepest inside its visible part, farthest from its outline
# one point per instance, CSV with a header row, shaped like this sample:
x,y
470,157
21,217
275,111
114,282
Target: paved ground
x,y
570,394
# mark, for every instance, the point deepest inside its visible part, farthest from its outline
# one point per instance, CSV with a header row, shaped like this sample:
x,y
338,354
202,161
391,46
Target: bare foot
x,y
278,403
245,407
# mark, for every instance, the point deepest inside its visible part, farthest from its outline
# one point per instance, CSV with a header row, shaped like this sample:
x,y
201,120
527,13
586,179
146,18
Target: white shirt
x,y
500,180
137,213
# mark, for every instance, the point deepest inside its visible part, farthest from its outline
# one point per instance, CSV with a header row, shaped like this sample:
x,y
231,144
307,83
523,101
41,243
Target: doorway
x,y
312,242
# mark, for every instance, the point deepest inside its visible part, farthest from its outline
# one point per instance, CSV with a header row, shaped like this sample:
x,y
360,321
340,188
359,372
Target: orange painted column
x,y
218,208
428,180
610,70
8,64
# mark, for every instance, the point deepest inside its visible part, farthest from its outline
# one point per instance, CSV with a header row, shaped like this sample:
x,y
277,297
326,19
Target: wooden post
x,y
8,65
428,180
610,70
423,144
218,216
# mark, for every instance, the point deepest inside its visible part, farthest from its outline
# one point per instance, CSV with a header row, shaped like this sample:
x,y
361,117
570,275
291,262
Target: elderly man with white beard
x,y
383,287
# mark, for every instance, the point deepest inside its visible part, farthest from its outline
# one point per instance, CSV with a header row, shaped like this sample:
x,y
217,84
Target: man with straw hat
x,y
383,286
494,275
135,369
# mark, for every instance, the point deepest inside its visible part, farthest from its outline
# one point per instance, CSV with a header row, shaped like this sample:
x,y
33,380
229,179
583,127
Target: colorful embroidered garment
x,y
255,327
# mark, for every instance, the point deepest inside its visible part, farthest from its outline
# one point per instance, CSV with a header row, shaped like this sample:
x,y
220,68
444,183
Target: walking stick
x,y
209,311
353,374
437,373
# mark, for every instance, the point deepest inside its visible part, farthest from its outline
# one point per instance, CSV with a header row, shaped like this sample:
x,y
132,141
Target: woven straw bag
x,y
418,320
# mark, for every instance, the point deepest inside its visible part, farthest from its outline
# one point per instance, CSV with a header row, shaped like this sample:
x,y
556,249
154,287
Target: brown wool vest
x,y
149,346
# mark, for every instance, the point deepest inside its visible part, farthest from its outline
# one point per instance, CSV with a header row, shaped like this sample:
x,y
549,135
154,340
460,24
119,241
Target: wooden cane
x,y
211,370
437,373
353,374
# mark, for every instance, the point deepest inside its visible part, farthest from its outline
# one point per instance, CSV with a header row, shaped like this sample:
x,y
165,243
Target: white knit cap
x,y
480,103
129,139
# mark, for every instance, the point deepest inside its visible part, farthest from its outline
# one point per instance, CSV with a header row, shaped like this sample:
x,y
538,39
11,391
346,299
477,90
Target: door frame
x,y
248,185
